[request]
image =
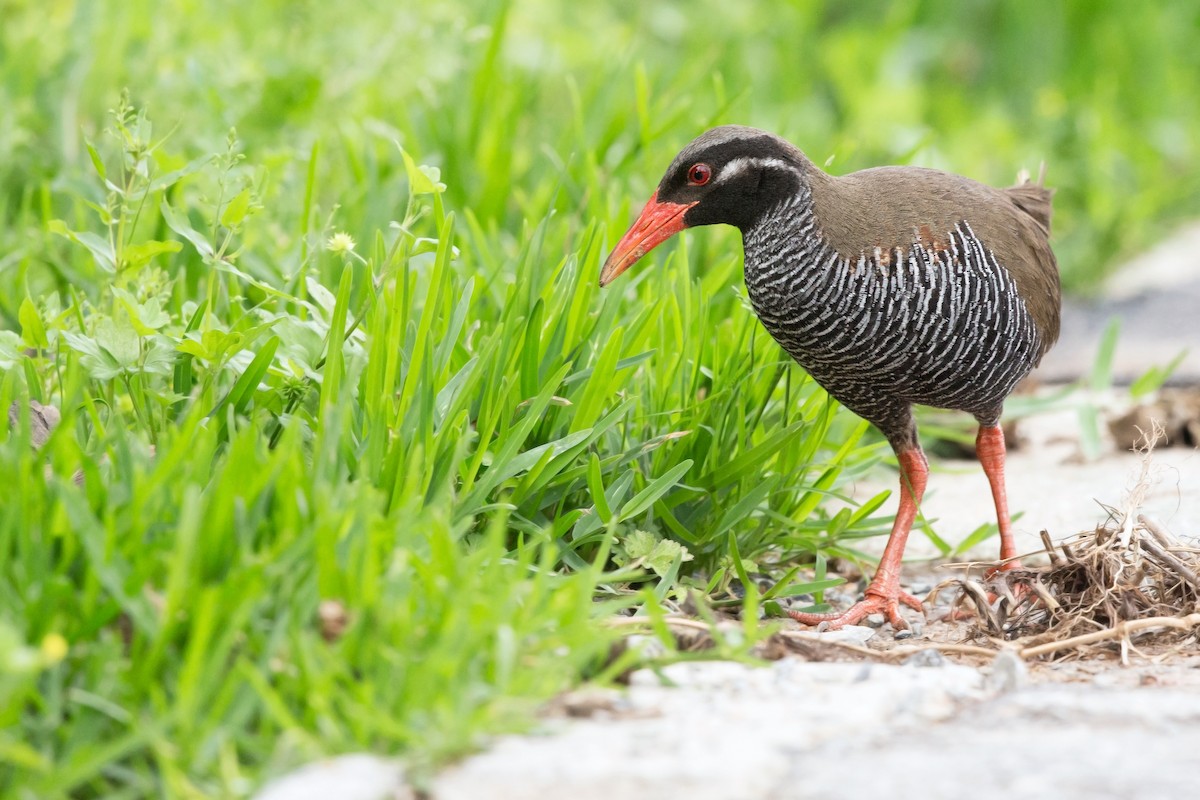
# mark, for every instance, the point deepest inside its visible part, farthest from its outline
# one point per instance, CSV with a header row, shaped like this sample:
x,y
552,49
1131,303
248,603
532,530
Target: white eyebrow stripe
x,y
740,164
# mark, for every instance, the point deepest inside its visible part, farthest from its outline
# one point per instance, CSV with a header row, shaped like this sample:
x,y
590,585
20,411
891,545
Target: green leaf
x,y
595,482
667,555
422,179
599,388
623,364
114,348
194,348
179,224
324,298
235,211
334,354
20,754
147,317
657,488
639,544
980,534
10,349
120,340
32,329
531,352
135,255
160,356
97,162
644,548
1101,377
739,565
809,588
212,345
100,248
169,179
1153,378
243,390
98,362
748,502
750,460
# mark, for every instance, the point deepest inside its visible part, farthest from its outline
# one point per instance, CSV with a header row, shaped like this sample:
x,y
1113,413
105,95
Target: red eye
x,y
699,174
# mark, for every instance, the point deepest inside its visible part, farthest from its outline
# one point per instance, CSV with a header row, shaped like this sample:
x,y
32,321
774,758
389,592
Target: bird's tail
x,y
1033,198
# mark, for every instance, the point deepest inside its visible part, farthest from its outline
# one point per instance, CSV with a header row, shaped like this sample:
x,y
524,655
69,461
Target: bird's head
x,y
730,175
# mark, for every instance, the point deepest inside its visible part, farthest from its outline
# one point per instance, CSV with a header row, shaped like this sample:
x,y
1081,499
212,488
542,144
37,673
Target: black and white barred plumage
x,y
943,327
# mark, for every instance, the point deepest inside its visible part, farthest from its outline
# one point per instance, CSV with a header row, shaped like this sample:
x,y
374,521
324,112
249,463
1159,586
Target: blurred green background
x,y
513,98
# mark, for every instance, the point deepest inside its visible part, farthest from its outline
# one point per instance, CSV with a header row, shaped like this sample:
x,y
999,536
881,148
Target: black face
x,y
734,175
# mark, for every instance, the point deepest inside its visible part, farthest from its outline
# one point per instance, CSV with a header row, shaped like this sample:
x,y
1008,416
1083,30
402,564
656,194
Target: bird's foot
x,y
875,602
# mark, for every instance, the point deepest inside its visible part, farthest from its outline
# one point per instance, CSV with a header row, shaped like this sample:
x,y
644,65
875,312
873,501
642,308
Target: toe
x,y
912,602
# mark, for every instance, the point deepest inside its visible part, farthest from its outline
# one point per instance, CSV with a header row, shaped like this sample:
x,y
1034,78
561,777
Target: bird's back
x,y
894,286
883,206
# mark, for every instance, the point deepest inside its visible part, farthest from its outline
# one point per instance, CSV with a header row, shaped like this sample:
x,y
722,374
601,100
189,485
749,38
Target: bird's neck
x,y
784,242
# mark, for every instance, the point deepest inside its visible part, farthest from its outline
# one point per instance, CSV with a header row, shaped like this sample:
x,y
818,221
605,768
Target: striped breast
x,y
936,324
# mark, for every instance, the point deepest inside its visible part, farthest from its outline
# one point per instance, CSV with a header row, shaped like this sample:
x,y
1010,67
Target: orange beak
x,y
657,223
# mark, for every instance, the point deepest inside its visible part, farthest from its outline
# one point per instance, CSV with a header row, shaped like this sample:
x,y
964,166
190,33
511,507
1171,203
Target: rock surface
x,y
798,730
1062,742
722,731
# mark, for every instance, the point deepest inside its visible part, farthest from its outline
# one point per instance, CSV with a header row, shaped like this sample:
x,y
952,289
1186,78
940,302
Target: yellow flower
x,y
54,648
340,242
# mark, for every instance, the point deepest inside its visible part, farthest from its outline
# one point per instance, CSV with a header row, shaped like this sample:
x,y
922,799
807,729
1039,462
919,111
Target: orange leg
x,y
989,447
884,594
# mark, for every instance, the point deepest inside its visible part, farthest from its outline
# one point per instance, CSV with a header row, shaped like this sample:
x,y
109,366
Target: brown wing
x,y
887,207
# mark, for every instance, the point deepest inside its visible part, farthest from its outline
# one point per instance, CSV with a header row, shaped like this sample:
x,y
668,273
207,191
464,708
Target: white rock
x,y
851,634
349,777
1009,672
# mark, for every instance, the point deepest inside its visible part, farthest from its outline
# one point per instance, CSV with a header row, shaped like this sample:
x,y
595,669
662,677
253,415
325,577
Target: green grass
x,y
297,365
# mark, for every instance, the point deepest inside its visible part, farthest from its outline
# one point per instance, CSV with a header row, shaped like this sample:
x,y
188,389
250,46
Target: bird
x,y
892,287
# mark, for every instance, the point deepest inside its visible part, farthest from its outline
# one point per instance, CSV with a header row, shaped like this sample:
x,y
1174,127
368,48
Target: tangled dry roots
x,y
1127,580
1103,581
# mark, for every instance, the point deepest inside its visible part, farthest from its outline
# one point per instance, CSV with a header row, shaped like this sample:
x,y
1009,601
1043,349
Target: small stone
x,y
351,777
650,646
851,634
590,702
332,619
925,658
876,620
42,421
1009,673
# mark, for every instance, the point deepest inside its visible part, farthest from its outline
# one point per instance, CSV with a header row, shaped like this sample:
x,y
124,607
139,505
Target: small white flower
x,y
340,242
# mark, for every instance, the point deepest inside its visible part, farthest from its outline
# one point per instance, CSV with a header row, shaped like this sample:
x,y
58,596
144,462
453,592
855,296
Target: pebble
x,y
1008,674
851,634
925,658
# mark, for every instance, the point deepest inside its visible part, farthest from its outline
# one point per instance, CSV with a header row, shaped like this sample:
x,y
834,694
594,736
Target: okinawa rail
x,y
892,286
